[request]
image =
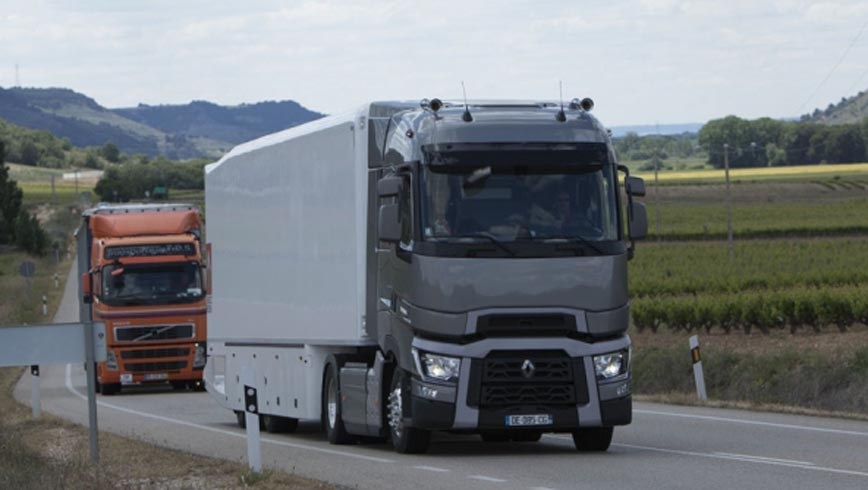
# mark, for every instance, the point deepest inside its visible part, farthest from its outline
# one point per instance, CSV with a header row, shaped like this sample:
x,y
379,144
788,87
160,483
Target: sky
x,y
642,61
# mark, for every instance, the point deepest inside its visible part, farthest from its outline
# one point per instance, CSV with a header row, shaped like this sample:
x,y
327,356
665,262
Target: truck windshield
x,y
159,284
509,195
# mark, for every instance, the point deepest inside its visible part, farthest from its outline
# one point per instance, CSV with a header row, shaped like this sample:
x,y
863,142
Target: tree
x,y
110,152
29,235
29,154
10,201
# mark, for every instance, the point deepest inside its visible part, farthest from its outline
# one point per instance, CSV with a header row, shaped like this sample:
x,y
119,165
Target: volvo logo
x,y
527,368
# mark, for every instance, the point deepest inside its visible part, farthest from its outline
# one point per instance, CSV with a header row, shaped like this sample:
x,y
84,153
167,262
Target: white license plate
x,y
126,378
156,376
528,420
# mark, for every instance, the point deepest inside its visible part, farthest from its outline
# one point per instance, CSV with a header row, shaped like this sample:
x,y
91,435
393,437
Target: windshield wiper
x,y
490,238
574,240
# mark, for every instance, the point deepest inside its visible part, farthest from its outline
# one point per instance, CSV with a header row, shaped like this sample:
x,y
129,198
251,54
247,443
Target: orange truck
x,y
142,272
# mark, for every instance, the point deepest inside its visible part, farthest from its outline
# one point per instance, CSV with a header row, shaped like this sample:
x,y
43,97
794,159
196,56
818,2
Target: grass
x,y
785,174
823,371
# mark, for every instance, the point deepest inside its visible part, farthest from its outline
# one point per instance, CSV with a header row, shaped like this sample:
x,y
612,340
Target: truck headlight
x,y
111,361
199,356
611,365
435,366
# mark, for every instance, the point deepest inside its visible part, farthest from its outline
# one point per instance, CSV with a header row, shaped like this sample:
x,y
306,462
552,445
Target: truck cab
x,y
143,274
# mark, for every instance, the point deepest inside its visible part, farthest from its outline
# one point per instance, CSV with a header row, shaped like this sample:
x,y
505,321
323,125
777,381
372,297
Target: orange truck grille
x,y
154,353
142,367
153,332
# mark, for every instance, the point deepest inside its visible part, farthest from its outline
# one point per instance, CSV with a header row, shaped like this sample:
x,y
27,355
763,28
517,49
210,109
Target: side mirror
x,y
388,226
389,186
86,289
635,186
638,220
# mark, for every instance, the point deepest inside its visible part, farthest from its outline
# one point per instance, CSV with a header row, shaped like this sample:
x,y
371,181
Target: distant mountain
x,y
232,124
197,129
849,110
644,130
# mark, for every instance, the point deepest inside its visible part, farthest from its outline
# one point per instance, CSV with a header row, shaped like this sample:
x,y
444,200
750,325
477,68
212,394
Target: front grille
x,y
154,353
142,367
527,378
544,370
499,395
153,332
527,325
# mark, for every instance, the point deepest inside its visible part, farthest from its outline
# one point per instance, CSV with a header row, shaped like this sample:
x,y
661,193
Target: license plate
x,y
156,376
126,378
528,420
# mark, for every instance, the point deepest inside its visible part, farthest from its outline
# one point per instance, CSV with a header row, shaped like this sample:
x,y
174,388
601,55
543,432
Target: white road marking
x,y
487,478
763,458
755,422
432,468
751,459
219,431
540,488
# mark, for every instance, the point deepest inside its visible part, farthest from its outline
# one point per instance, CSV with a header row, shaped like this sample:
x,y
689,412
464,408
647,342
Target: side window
x,y
405,209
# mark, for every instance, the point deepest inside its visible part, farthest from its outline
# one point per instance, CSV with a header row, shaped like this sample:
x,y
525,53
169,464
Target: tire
x,y
405,440
179,385
596,439
108,389
241,420
277,424
331,407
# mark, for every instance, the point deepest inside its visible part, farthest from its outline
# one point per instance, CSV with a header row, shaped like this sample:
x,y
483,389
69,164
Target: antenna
x,y
561,116
466,117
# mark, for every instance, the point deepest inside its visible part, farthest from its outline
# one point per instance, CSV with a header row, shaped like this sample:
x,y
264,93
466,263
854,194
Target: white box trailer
x,y
335,284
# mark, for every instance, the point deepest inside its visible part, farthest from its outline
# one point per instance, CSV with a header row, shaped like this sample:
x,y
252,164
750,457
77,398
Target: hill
x,y
229,124
198,129
848,111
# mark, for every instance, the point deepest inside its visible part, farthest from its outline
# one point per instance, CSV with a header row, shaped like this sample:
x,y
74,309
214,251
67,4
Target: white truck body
x,y
280,212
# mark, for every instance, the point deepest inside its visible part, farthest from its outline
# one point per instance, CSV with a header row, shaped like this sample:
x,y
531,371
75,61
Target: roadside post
x,y
44,305
251,414
697,368
35,399
56,343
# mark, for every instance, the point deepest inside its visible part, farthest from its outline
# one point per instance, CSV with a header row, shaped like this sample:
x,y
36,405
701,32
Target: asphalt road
x,y
665,447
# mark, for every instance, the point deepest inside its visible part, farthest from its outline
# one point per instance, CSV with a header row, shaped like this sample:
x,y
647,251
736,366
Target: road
x,y
666,446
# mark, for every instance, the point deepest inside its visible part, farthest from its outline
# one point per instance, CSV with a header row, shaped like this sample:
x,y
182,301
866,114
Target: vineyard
x,y
799,263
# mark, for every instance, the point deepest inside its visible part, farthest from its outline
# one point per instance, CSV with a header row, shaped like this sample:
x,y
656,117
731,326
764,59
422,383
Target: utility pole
x,y
17,77
657,184
728,203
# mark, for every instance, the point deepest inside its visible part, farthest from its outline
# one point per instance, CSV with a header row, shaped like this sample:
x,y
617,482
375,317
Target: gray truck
x,y
411,267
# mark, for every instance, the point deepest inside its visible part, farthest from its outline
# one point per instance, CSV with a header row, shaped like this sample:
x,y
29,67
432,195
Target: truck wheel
x,y
331,408
593,438
109,388
407,440
277,424
241,419
179,385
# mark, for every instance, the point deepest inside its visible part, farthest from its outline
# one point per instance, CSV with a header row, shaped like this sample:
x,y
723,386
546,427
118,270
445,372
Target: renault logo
x,y
527,368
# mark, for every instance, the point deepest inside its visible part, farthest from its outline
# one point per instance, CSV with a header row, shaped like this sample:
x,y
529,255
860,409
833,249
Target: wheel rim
x,y
332,404
396,412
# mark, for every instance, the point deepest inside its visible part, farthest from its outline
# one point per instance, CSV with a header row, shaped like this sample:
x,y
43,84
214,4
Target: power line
x,y
837,64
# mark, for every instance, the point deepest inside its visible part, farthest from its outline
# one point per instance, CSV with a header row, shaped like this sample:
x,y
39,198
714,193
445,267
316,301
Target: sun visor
x,y
150,223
